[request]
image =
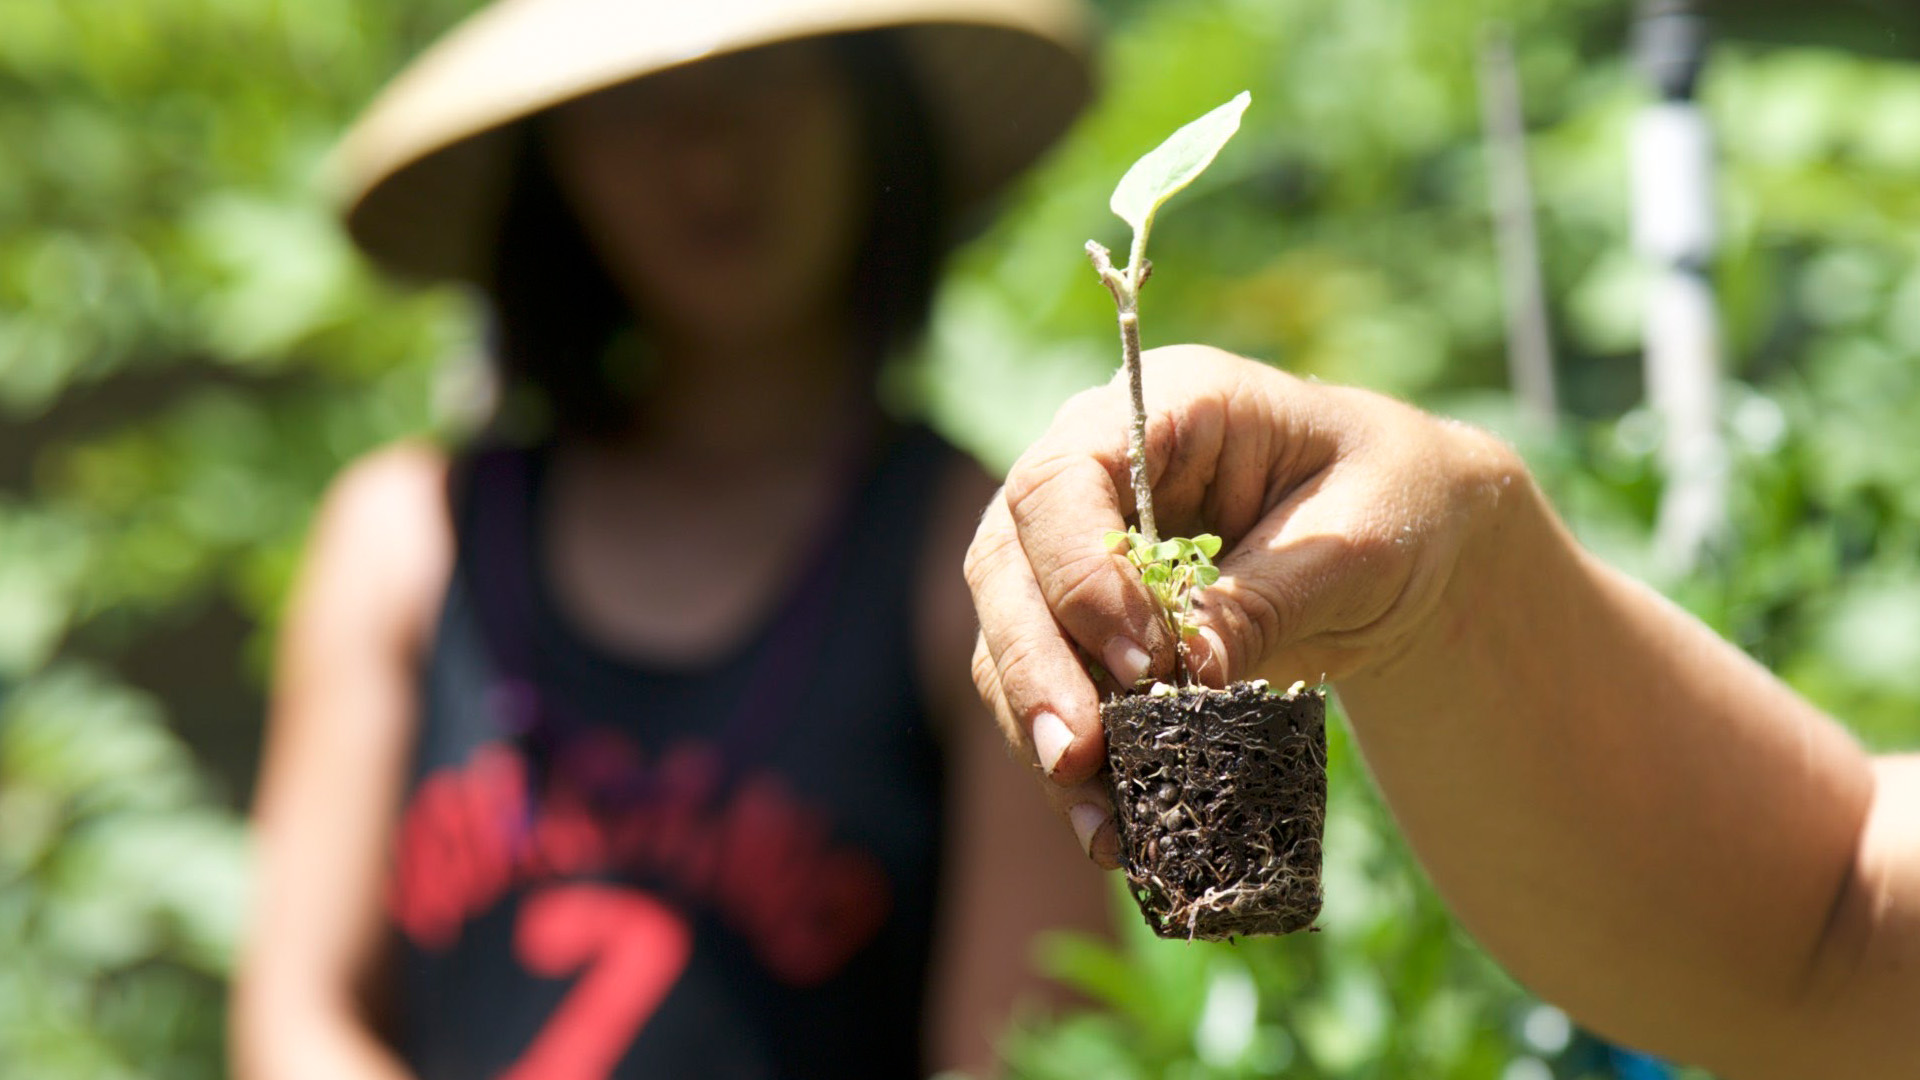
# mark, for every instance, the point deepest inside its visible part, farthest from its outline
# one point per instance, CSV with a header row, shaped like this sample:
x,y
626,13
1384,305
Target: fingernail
x,y
1087,819
1126,661
1051,737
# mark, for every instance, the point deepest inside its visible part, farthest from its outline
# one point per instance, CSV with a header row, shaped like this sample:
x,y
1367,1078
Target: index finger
x,y
1045,687
1064,497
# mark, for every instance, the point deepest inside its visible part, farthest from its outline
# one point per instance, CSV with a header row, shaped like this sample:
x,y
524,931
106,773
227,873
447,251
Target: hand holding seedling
x,y
1342,515
1219,795
1643,824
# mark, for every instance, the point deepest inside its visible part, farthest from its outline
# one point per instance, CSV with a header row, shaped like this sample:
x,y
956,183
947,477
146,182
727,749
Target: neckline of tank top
x,y
862,460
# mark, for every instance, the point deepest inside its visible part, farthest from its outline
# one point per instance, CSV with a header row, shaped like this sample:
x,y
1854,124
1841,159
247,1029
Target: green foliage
x,y
188,351
1168,168
1174,570
121,883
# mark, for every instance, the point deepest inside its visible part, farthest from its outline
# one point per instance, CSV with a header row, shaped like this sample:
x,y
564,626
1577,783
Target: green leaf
x,y
1115,540
1208,544
1165,551
1207,575
1156,575
1173,165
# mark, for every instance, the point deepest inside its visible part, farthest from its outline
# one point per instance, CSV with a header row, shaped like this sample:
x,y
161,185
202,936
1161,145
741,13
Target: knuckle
x,y
1021,663
1166,439
1252,620
1034,476
991,548
1083,583
986,680
1092,399
1030,670
986,675
1185,356
1088,415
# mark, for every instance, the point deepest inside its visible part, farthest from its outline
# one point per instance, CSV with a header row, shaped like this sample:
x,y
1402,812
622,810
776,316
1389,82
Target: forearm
x,y
1636,819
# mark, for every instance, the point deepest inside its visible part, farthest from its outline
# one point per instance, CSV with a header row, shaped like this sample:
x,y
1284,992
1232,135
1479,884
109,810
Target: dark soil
x,y
1221,797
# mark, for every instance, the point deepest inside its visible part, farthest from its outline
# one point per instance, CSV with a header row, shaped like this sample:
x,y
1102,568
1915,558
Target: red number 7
x,y
632,949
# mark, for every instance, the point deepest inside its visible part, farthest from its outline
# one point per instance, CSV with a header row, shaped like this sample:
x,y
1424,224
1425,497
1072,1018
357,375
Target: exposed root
x,y
1221,802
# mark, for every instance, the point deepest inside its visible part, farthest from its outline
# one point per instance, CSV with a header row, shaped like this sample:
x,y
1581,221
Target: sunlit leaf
x,y
1174,164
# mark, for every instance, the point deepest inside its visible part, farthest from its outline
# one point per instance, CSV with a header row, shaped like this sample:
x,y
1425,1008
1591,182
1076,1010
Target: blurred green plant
x,y
121,883
188,350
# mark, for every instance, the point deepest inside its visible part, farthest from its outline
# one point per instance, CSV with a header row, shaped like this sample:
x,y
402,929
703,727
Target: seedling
x,y
1220,795
1173,570
1146,187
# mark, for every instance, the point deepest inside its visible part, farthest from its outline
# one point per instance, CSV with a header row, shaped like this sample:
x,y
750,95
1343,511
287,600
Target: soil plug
x,y
1220,795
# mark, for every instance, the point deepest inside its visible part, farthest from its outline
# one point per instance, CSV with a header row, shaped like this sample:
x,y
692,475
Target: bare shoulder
x,y
397,471
382,541
944,610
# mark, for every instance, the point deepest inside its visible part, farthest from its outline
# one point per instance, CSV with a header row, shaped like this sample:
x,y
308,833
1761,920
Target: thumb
x,y
1241,629
1287,596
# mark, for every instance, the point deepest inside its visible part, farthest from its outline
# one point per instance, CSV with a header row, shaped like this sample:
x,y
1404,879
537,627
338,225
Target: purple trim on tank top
x,y
503,518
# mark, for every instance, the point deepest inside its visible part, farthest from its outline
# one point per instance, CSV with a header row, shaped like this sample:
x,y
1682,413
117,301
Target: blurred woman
x,y
638,737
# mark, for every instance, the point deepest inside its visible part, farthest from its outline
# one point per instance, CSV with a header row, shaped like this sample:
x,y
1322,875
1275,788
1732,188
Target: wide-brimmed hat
x,y
424,173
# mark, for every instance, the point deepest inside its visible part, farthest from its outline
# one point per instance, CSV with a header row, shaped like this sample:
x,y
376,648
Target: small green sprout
x,y
1175,569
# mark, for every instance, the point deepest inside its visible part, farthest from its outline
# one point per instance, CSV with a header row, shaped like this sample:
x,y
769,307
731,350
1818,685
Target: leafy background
x,y
188,349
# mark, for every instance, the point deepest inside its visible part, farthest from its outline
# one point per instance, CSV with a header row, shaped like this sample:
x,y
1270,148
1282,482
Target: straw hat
x,y
425,171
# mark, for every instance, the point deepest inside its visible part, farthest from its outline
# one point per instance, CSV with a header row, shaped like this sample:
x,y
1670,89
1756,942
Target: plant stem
x,y
1125,290
1137,432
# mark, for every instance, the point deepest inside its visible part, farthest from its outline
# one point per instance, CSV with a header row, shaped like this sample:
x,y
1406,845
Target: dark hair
x,y
565,338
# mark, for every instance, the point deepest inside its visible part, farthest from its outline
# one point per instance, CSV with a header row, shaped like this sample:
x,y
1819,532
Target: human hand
x,y
1344,515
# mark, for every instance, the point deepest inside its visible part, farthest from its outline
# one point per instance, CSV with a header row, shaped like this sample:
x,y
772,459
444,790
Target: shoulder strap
x,y
881,498
492,502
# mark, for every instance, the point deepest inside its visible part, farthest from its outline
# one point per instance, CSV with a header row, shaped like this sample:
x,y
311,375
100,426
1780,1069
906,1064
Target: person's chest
x,y
676,565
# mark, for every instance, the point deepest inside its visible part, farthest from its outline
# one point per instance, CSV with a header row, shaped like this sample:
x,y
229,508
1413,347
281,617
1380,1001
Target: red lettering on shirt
x,y
758,855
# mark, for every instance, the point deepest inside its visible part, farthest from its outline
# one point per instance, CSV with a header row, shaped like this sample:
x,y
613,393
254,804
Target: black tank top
x,y
605,869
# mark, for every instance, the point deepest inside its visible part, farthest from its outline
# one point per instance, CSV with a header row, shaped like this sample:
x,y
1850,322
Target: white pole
x,y
1674,231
